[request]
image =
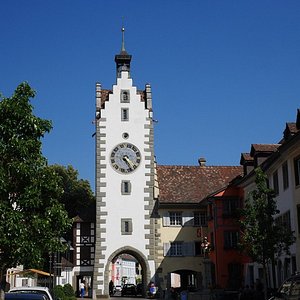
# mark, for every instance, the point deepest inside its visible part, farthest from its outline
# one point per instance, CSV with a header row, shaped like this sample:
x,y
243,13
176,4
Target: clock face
x,y
125,158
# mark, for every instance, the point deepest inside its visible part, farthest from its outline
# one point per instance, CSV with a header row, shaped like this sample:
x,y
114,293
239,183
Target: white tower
x,y
125,221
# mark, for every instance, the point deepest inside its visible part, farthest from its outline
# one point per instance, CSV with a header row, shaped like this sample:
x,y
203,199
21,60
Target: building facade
x,y
185,222
281,164
125,218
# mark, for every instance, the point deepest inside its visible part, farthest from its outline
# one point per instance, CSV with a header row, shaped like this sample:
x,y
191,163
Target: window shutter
x,y
166,219
167,247
187,219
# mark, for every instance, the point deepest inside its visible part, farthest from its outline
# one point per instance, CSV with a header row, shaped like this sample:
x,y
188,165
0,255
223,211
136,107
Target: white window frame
x,y
124,114
126,226
122,94
175,218
125,187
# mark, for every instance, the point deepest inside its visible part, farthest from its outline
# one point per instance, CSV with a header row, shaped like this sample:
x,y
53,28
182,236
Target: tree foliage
x,y
31,218
263,237
77,194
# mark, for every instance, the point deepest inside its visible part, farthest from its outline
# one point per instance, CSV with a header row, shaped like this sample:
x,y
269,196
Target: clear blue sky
x,y
224,74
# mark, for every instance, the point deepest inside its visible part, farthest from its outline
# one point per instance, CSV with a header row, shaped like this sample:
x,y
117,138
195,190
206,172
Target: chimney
x,y
202,161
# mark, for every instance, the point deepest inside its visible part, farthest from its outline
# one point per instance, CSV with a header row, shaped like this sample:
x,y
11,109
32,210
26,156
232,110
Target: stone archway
x,y
140,257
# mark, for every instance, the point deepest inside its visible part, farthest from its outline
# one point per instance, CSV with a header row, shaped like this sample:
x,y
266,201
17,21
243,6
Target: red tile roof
x,y
191,184
263,148
246,158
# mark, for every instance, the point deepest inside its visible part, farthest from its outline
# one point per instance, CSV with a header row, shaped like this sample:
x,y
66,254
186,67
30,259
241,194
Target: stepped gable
x,y
192,184
105,96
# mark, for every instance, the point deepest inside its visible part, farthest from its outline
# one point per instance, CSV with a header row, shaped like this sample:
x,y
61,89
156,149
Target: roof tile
x,y
191,184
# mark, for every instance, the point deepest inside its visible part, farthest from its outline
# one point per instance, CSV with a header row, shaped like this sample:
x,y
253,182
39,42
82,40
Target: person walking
x,y
82,289
111,288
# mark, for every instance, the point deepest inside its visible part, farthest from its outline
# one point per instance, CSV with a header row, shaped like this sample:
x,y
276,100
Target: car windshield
x,y
27,291
295,289
285,288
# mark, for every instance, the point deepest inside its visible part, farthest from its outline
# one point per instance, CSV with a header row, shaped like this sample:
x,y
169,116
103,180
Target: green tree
x,y
77,194
263,238
32,220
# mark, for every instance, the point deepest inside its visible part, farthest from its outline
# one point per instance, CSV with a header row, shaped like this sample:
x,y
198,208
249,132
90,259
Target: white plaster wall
x,y
120,206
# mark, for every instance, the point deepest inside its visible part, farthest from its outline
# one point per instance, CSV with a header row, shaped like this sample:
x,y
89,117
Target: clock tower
x,y
125,203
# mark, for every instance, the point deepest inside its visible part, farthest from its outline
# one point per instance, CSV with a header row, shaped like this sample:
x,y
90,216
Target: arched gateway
x,y
140,257
125,203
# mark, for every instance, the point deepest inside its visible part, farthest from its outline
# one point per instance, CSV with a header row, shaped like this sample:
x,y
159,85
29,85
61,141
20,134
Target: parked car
x,y
24,296
118,288
289,290
128,289
139,289
31,290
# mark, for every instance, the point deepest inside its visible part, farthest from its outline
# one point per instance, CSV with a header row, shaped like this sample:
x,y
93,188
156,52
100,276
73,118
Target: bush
x,y
58,292
69,292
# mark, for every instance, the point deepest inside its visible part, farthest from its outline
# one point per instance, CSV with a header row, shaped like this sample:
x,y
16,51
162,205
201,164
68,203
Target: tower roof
x,y
123,58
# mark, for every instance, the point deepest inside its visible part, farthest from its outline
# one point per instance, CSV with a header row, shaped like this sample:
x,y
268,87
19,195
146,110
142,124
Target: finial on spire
x,y
123,39
123,58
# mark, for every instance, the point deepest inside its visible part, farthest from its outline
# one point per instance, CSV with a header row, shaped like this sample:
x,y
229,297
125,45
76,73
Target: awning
x,y
39,272
31,271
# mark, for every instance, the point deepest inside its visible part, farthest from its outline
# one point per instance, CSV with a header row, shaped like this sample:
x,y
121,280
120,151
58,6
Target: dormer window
x,y
125,96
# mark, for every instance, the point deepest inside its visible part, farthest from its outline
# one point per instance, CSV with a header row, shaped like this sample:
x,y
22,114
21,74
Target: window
x,y
124,114
297,170
200,218
176,249
284,219
85,255
125,187
126,226
179,248
275,183
175,218
125,96
230,206
199,249
285,176
85,229
231,239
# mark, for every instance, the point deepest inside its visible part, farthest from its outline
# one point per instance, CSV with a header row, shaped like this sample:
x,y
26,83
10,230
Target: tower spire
x,y
123,59
123,39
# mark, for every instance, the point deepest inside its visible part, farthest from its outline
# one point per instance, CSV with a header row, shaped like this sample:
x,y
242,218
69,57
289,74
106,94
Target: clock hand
x,y
128,161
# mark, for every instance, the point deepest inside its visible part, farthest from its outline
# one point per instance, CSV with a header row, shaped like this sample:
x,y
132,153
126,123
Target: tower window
x,y
125,96
125,114
125,187
126,226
